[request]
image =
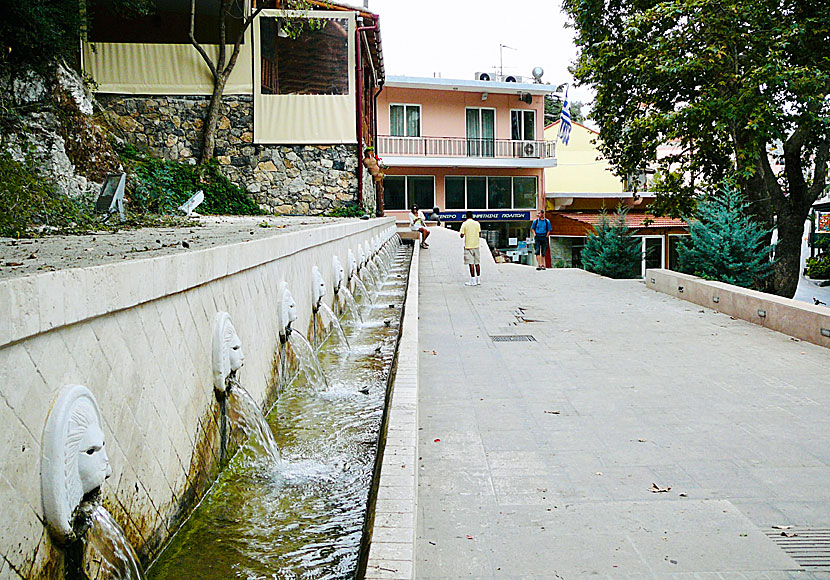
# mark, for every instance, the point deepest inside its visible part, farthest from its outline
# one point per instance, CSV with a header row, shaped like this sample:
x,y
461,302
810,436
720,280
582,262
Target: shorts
x,y
472,256
541,245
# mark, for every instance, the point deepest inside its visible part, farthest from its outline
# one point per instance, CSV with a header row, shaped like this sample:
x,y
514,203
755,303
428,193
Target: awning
x,y
632,220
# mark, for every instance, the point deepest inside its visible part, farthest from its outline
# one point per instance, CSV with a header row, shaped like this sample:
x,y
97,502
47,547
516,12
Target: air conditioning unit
x,y
529,149
483,76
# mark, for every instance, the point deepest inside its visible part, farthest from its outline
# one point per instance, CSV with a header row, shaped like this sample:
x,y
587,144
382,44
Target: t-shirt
x,y
416,223
541,227
471,230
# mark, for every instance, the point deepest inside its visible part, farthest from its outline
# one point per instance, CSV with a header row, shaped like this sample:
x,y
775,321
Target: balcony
x,y
461,152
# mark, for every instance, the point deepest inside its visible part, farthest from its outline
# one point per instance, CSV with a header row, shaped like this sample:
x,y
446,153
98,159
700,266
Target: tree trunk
x,y
212,120
786,270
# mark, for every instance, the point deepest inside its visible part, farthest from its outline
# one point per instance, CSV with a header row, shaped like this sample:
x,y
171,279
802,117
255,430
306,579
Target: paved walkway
x,y
538,459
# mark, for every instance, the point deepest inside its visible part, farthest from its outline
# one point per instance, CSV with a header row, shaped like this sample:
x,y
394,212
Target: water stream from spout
x,y
245,414
350,302
308,359
328,313
362,287
115,556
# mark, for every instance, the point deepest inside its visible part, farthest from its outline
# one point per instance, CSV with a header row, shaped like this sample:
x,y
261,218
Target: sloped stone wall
x,y
285,179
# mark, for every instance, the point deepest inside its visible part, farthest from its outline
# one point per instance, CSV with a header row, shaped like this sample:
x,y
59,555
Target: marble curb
x,y
792,317
32,305
392,547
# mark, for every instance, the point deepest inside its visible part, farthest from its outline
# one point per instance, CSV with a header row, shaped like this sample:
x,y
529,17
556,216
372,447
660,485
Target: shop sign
x,y
486,216
823,222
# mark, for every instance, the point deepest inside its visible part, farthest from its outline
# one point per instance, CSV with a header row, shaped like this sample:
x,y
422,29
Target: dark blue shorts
x,y
541,245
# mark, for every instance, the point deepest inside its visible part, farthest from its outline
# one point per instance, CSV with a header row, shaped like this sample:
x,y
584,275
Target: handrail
x,y
463,147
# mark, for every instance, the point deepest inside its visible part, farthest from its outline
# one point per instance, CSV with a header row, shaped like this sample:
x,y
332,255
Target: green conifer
x,y
725,244
611,249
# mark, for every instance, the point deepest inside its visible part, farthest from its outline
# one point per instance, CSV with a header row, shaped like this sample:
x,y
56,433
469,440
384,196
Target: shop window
x,y
454,189
394,192
476,193
498,193
401,192
313,62
405,120
524,192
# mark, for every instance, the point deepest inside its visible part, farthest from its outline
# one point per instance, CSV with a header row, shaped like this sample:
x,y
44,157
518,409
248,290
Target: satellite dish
x,y
526,98
537,74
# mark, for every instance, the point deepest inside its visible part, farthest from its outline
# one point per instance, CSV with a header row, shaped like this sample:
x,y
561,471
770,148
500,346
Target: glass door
x,y
481,132
652,253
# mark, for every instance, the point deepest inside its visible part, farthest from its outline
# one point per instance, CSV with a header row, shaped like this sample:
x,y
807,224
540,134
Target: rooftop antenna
x,y
501,58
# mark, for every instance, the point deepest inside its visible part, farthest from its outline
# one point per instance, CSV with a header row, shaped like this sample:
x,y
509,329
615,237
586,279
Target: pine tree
x,y
611,250
725,244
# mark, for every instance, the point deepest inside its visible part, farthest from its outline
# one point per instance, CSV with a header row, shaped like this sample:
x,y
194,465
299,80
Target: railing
x,y
461,147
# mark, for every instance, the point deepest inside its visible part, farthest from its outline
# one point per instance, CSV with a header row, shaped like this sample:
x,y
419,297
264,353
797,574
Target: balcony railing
x,y
461,147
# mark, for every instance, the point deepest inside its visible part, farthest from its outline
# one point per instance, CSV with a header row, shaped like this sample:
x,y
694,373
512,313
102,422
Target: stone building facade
x,y
283,179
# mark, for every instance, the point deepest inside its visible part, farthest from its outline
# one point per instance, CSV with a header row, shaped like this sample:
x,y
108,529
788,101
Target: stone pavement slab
x,y
540,459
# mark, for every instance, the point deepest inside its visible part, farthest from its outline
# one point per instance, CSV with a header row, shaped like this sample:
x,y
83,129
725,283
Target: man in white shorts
x,y
470,231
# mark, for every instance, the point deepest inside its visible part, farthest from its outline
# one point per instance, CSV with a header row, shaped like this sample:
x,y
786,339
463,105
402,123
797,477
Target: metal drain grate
x,y
512,338
810,547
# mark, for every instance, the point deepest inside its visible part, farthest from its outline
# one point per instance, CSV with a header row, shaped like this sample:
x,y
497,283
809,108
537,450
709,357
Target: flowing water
x,y
244,414
303,517
329,314
350,302
108,549
308,359
362,287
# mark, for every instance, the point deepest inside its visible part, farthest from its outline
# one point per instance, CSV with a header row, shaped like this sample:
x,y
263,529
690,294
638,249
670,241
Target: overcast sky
x,y
456,38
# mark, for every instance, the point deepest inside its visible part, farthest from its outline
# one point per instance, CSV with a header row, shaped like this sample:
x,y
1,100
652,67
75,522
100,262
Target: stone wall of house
x,y
285,179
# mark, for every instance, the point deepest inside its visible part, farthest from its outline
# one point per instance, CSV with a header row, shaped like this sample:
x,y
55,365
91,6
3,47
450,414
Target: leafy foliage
x,y
553,108
725,243
611,250
818,268
161,186
349,210
724,82
26,199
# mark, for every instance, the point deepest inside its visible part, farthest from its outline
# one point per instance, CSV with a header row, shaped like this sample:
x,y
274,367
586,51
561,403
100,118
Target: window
x,y
523,125
401,192
315,62
476,193
481,132
524,192
454,197
489,192
498,192
405,120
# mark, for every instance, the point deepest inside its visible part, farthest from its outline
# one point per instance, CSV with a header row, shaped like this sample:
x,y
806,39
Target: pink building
x,y
465,145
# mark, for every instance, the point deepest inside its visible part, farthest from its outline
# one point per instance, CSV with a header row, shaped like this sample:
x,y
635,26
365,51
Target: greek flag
x,y
565,121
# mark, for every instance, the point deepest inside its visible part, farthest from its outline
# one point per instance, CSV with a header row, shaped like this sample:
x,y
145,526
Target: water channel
x,y
299,511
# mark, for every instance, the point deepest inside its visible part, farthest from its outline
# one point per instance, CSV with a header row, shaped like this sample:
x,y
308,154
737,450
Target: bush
x,y
27,200
611,250
161,186
351,209
818,268
725,244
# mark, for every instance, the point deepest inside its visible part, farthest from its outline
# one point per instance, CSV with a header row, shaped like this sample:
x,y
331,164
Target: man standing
x,y
470,231
541,228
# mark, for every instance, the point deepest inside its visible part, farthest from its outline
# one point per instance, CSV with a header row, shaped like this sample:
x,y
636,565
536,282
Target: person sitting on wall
x,y
417,224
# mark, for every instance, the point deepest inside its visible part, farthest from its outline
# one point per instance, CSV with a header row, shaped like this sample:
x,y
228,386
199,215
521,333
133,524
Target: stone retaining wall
x,y
284,179
797,319
138,334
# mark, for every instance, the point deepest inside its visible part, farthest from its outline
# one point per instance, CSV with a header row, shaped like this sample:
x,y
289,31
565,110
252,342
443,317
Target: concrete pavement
x,y
554,458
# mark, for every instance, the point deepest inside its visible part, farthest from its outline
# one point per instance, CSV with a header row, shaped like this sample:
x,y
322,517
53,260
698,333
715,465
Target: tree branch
x,y
195,44
238,44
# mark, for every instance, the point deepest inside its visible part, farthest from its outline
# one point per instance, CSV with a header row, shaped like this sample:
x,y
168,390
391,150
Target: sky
x,y
457,38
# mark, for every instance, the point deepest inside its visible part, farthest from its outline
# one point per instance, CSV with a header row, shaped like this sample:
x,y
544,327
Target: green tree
x,y
725,81
553,108
611,250
725,243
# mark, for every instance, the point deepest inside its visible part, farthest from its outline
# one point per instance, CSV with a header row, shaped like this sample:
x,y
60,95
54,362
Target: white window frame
x,y
643,239
420,120
521,129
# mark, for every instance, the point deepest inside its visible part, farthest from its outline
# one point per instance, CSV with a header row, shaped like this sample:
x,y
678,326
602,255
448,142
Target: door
x,y
481,132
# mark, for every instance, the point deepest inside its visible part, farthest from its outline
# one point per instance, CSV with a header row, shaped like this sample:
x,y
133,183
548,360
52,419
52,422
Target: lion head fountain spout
x,y
318,288
286,311
361,256
74,463
339,273
227,352
352,264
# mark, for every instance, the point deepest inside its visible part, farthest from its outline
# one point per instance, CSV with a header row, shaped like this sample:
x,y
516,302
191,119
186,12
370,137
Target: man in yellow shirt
x,y
470,231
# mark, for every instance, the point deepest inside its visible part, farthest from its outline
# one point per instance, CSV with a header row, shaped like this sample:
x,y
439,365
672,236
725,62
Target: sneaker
x,y
538,267
470,283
